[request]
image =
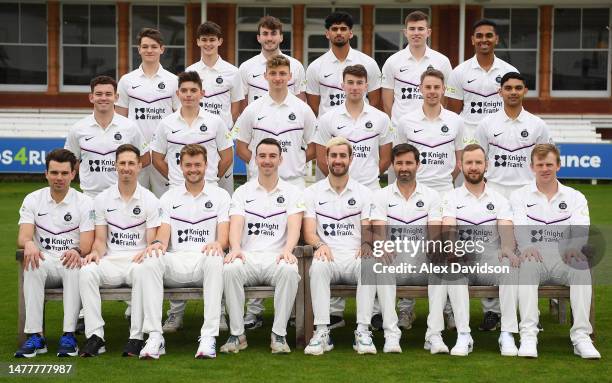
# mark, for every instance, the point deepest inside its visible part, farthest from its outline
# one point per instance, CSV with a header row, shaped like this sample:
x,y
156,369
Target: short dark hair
x,y
433,73
339,18
209,28
473,148
416,16
193,150
482,22
151,33
270,22
102,80
61,155
127,148
269,141
192,76
356,70
404,148
513,75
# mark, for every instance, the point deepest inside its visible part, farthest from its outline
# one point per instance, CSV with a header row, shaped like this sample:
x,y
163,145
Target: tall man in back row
x,y
146,95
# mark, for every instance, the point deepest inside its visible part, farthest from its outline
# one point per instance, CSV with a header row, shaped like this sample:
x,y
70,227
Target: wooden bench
x,y
561,293
191,293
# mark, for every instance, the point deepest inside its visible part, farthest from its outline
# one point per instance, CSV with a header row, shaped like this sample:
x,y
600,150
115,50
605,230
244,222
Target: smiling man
x,y
472,89
94,139
56,227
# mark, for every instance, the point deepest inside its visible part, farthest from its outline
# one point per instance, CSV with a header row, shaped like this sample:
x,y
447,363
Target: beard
x,y
405,177
338,172
340,44
474,178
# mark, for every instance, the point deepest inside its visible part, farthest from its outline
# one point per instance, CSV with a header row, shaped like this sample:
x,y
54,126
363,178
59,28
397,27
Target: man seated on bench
x,y
127,217
553,254
336,208
265,222
411,211
56,226
194,229
477,214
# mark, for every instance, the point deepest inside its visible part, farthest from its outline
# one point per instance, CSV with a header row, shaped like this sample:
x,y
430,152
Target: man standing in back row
x,y
146,95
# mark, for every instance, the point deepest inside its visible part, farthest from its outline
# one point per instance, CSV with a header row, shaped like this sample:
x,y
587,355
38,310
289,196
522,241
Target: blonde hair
x,y
276,61
541,150
338,141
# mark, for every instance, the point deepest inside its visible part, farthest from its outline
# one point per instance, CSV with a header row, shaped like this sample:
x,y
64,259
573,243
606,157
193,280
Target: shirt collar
x,y
271,102
467,193
417,190
116,195
217,66
476,65
67,198
365,110
183,190
279,186
427,52
351,56
114,121
561,189
157,74
351,185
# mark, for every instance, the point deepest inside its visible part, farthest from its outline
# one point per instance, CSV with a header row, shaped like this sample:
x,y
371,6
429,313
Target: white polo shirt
x,y
371,130
207,130
477,89
324,77
57,226
402,74
437,142
407,218
95,148
254,83
291,122
148,99
265,214
127,222
339,216
532,208
194,220
222,86
476,216
508,144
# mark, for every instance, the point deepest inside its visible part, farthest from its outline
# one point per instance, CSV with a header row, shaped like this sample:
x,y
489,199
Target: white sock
x,y
362,327
321,327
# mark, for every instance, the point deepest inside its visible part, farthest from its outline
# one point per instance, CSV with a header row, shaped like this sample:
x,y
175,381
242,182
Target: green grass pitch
x,y
555,364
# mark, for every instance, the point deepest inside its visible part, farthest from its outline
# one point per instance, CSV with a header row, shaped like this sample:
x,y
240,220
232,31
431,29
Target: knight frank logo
x,y
336,99
46,243
94,165
254,228
329,229
424,158
465,234
537,236
178,158
140,114
409,93
500,160
182,235
476,107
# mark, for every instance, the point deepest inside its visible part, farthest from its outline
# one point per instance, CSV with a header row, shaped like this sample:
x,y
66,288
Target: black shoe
x,y
292,322
377,322
490,322
93,347
133,347
336,321
253,321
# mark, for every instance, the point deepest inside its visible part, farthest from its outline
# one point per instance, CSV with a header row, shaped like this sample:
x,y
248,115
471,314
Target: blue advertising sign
x,y
27,155
586,161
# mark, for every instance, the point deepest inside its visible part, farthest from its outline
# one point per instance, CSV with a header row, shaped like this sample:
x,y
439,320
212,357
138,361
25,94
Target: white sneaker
x,y
586,350
436,345
278,344
207,348
529,348
234,343
223,324
405,320
464,345
363,343
173,323
392,345
507,347
153,348
319,343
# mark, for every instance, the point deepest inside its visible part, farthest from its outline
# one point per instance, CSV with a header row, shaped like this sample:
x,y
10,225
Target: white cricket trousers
x,y
50,273
438,292
345,269
114,270
260,269
554,271
180,269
